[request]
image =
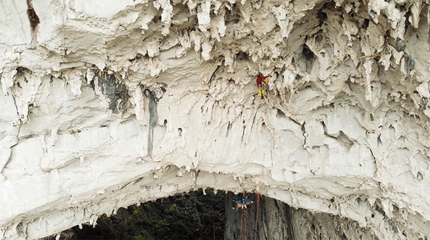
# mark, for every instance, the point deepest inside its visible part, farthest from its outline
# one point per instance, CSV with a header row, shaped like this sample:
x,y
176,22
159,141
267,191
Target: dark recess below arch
x,y
196,215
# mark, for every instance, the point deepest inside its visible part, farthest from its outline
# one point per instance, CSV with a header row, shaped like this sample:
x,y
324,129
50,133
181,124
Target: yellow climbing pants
x,y
261,92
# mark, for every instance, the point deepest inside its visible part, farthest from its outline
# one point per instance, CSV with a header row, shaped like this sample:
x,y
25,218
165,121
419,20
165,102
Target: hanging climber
x,y
263,85
242,203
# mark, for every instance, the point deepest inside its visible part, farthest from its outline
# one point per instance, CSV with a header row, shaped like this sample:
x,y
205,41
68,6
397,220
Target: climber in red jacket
x,y
262,84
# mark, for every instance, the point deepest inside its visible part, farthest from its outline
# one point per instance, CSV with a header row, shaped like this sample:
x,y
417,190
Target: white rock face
x,y
106,104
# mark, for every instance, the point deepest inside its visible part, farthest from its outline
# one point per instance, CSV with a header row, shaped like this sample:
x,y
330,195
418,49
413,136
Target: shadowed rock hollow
x,y
106,104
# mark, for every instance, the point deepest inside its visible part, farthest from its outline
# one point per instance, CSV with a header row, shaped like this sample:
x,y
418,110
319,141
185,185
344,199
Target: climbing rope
x,y
256,215
243,227
243,217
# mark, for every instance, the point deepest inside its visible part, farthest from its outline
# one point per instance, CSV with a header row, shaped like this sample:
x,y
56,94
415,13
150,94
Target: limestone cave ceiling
x,y
107,104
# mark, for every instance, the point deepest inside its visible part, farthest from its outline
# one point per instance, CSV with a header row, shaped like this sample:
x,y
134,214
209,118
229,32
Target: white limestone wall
x,y
106,104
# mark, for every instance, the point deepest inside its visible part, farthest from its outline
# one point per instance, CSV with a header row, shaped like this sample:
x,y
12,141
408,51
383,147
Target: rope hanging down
x,y
242,204
243,227
257,206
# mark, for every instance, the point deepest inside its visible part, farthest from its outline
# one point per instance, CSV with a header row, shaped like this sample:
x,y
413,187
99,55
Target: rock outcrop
x,y
106,104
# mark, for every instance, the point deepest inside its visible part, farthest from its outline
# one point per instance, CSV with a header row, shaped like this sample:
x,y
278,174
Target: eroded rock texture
x,y
268,218
106,104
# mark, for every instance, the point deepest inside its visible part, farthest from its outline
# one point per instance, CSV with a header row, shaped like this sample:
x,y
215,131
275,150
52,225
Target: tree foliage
x,y
192,215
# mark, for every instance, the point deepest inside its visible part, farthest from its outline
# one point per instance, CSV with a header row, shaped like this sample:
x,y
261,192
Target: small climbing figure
x,y
263,85
242,203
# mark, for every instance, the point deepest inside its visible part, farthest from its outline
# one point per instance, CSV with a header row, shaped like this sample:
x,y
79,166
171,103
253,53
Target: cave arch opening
x,y
212,214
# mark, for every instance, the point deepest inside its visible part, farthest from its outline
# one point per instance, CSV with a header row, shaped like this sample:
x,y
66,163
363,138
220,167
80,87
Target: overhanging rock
x,y
108,104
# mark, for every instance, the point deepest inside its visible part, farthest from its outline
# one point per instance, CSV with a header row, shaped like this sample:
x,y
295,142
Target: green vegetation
x,y
186,216
74,132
